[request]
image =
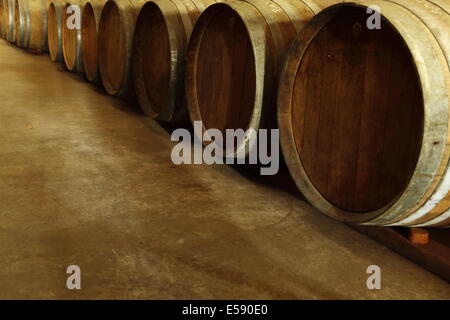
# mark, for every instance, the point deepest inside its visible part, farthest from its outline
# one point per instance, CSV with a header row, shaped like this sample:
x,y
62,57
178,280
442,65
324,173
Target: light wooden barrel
x,y
54,23
89,35
8,19
160,44
115,45
30,22
235,56
71,39
364,114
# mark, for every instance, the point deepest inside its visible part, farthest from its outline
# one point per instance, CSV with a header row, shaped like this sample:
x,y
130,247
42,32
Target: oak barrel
x,y
8,19
2,18
162,34
364,113
54,32
234,60
71,37
30,23
89,35
115,45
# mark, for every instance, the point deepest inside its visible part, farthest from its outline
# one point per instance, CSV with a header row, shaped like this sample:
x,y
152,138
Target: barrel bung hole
x,y
89,41
112,49
225,73
357,113
153,48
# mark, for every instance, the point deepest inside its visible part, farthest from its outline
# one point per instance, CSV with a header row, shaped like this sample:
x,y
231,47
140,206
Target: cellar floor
x,y
87,180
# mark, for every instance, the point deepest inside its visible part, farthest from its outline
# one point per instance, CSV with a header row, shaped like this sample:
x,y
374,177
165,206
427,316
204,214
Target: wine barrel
x,y
364,113
30,23
71,38
115,43
89,36
234,59
8,19
54,23
2,18
162,34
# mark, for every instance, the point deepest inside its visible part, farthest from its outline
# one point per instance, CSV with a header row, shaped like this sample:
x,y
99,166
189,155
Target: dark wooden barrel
x,y
54,32
30,22
115,45
364,113
89,36
235,55
71,40
160,43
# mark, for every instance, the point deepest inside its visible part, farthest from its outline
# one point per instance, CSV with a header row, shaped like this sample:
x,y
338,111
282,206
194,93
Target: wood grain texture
x,y
160,43
226,51
2,19
54,22
360,100
433,208
30,24
8,19
364,113
71,40
234,60
115,45
89,38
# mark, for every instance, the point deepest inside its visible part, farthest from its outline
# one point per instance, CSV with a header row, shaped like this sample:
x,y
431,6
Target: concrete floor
x,y
86,180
